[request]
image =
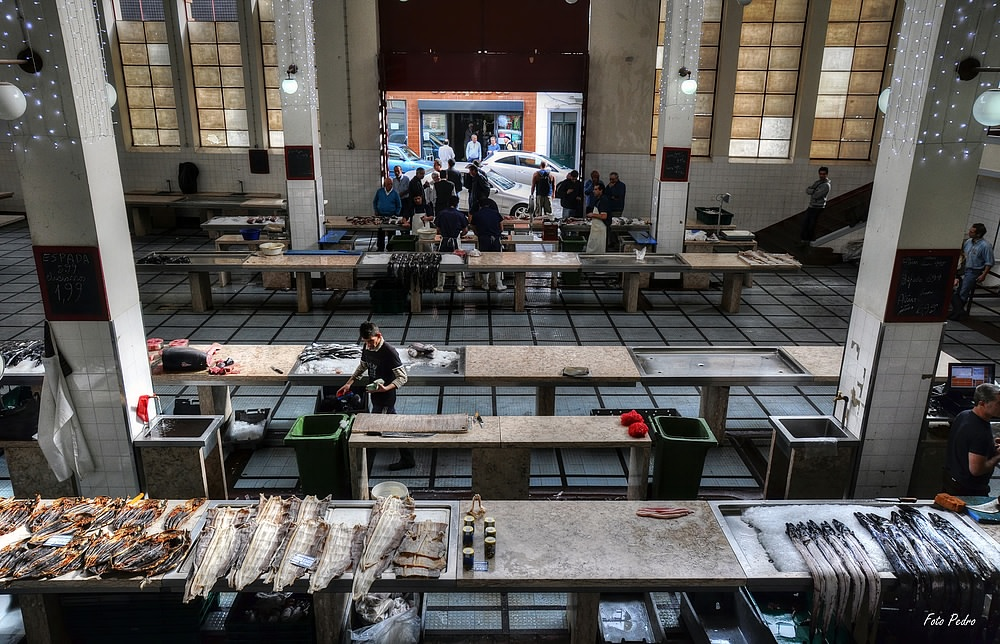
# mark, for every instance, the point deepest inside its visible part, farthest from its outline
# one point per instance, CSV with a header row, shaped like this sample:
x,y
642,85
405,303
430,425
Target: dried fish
x,y
179,515
271,527
140,512
97,556
302,552
14,512
226,534
390,519
152,554
14,352
45,513
341,551
423,551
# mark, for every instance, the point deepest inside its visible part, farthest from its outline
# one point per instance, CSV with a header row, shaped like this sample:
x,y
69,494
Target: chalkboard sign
x,y
72,283
675,164
921,287
259,162
299,162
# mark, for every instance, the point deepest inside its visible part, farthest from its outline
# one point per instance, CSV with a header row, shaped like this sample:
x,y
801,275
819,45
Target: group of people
x,y
423,195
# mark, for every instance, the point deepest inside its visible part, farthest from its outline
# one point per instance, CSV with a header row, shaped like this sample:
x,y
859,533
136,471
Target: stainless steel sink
x,y
718,366
181,431
812,431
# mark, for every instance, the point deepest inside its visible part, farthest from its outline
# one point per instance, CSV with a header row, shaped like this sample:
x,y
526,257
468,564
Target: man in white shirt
x,y
445,152
473,151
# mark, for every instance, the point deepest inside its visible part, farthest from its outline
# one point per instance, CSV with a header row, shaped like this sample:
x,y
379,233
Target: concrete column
x,y
293,25
68,164
927,167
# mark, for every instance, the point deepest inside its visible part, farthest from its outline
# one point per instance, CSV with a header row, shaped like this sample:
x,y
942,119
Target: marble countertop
x,y
568,431
302,262
525,261
824,362
255,362
530,365
487,435
723,262
603,545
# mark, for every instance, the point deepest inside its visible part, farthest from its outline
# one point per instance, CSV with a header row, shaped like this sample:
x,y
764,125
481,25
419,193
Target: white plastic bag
x,y
403,628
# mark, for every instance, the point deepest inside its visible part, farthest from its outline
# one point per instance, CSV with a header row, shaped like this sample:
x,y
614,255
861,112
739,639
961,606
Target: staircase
x,y
843,213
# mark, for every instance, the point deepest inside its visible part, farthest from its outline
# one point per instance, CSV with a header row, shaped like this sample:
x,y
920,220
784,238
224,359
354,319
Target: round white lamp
x,y
689,86
986,109
289,86
12,102
883,99
111,93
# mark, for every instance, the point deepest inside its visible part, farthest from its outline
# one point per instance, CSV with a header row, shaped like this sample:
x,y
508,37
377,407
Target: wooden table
x,y
542,367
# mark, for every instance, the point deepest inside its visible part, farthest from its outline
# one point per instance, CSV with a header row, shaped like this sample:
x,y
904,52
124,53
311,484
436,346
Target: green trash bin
x,y
679,456
401,243
320,442
572,245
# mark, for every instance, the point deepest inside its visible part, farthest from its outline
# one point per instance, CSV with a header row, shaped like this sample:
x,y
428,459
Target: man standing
x,y
487,222
542,185
443,191
478,187
972,450
385,375
445,152
615,192
453,175
570,194
473,151
492,147
386,202
818,193
588,189
977,257
401,184
451,224
600,222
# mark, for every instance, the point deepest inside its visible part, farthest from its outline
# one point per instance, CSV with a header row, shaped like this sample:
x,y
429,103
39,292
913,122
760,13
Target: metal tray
x,y
756,562
420,371
718,365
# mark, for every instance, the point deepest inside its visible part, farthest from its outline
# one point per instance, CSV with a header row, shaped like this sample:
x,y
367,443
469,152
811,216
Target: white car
x,y
520,166
511,197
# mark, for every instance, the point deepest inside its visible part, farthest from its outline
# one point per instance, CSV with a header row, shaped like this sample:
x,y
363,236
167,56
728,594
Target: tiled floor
x,y
811,307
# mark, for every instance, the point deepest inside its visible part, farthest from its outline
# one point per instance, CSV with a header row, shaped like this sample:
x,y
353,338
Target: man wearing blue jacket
x,y
386,202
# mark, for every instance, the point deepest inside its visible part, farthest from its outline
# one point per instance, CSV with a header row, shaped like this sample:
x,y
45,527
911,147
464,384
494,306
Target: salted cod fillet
x,y
342,550
228,535
390,519
423,551
302,553
272,524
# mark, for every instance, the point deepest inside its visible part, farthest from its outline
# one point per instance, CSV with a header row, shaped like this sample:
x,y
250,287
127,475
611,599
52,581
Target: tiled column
x,y
68,162
680,49
293,25
927,167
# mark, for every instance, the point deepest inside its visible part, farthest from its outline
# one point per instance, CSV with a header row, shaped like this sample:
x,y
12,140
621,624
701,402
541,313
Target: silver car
x,y
511,197
520,166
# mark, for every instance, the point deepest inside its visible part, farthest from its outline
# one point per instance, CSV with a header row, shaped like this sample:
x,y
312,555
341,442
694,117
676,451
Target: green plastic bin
x,y
679,456
572,245
321,453
401,243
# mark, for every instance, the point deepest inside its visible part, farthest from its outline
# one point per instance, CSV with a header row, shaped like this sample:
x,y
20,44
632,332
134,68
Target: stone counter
x,y
500,365
602,546
824,363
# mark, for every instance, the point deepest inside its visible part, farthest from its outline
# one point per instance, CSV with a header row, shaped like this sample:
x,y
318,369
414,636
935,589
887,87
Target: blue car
x,y
406,158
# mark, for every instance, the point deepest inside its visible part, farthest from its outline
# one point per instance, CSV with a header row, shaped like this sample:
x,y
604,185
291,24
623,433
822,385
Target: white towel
x,y
59,433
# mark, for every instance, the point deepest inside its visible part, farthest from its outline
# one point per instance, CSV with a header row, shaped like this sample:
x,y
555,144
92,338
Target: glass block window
x,y
857,43
767,78
272,75
704,104
149,97
217,68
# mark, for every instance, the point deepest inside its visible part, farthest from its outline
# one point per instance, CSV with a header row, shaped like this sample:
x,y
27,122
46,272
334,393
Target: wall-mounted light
x,y
744,3
12,101
986,109
883,100
290,85
688,85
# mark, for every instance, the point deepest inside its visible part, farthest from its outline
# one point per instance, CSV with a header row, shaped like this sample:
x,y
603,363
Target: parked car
x,y
521,166
406,158
511,197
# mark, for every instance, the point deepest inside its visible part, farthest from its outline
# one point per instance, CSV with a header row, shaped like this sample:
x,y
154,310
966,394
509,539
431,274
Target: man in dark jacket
x,y
570,195
478,187
453,175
